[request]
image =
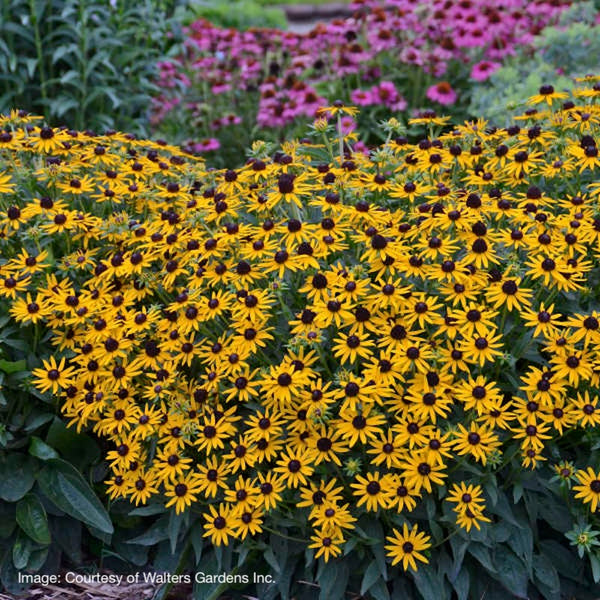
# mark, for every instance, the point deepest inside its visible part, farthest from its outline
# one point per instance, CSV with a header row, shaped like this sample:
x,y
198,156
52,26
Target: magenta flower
x,y
386,93
361,97
348,124
361,147
483,69
442,93
205,145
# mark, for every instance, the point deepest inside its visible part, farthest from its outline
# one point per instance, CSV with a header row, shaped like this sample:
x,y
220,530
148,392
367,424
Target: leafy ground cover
x,y
366,373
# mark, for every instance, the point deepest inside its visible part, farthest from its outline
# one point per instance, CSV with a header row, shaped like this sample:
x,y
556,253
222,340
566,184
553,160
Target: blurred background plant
x,y
89,63
559,53
230,87
240,14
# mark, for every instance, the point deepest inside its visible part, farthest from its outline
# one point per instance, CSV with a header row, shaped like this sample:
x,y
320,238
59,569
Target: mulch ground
x,y
77,591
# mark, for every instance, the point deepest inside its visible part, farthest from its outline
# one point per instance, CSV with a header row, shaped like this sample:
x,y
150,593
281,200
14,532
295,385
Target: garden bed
x,y
326,348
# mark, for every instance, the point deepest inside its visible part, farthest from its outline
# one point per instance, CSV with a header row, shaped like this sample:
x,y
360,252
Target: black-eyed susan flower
x,y
477,441
270,487
294,467
419,472
330,517
327,544
372,491
586,409
407,547
589,489
142,487
53,375
212,476
182,492
360,426
220,524
248,522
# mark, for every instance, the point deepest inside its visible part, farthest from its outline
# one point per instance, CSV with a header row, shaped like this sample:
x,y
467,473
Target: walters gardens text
x,y
143,577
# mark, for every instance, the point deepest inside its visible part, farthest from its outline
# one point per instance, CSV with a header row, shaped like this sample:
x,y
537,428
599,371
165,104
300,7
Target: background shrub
x,y
559,53
240,14
89,63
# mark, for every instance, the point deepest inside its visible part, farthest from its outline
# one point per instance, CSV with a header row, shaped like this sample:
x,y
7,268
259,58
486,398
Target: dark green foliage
x,y
88,63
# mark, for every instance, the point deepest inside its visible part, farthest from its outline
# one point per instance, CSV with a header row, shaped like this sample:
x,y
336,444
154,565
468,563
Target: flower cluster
x,y
221,71
321,332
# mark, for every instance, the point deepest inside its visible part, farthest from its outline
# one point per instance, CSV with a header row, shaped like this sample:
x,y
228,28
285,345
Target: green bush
x,y
560,53
49,512
240,14
89,63
476,255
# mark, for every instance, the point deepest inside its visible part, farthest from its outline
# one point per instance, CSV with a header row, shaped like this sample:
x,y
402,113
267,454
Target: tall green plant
x,y
86,62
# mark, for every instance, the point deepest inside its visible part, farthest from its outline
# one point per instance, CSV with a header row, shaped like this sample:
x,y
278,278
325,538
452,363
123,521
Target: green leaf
x,y
565,562
76,448
175,523
554,513
545,573
482,554
595,563
16,476
37,558
21,551
272,561
333,578
67,489
511,571
429,584
7,519
502,508
148,511
12,366
40,449
32,519
459,547
374,530
158,532
521,542
10,576
370,577
198,540
36,420
461,584
517,491
501,532
66,532
379,590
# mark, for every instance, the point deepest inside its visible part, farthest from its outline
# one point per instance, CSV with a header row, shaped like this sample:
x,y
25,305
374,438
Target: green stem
x,y
285,537
340,137
328,146
39,55
82,64
451,534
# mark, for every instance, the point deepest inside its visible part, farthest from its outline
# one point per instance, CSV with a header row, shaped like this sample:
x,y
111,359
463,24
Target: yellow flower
x,y
407,547
589,490
53,376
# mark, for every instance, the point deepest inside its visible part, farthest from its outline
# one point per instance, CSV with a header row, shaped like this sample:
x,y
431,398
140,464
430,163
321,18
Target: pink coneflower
x,y
442,93
483,69
361,97
386,93
348,124
220,88
205,145
361,147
